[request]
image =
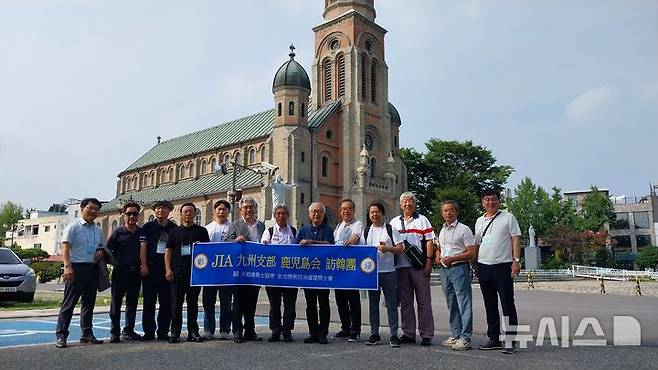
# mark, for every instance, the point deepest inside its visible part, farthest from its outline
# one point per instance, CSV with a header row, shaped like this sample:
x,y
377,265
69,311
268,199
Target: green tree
x,y
596,210
448,166
10,213
30,253
469,205
648,257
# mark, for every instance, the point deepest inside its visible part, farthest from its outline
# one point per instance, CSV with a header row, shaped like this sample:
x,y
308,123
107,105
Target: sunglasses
x,y
133,214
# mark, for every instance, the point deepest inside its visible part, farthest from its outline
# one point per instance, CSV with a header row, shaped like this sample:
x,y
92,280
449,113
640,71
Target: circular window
x,y
368,45
330,134
334,44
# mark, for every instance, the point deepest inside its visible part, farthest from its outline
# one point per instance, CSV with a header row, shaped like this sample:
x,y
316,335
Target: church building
x,y
332,135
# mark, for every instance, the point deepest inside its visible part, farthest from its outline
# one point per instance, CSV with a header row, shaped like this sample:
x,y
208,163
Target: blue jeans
x,y
388,283
225,313
456,284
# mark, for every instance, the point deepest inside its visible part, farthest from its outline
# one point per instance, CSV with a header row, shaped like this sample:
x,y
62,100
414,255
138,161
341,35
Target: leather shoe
x,y
311,339
194,337
91,339
163,337
174,339
237,338
61,343
115,339
323,339
287,337
274,337
252,337
130,335
147,337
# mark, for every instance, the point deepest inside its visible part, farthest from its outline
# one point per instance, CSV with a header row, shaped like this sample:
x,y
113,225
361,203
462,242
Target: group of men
x,y
157,257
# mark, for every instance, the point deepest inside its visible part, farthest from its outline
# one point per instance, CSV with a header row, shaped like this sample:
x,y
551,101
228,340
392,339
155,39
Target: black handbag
x,y
415,255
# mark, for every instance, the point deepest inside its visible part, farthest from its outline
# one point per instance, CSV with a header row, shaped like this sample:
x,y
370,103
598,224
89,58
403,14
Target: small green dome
x,y
395,115
291,74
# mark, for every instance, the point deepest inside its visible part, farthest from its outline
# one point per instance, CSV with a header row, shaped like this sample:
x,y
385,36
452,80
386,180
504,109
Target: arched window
x,y
227,159
252,155
181,171
340,61
325,166
151,218
327,79
171,174
145,180
373,81
303,110
262,153
238,158
279,109
363,76
291,109
190,169
134,182
373,166
213,163
197,217
204,166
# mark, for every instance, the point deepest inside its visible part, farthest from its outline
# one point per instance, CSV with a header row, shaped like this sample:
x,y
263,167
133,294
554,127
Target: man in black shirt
x,y
156,287
178,265
124,245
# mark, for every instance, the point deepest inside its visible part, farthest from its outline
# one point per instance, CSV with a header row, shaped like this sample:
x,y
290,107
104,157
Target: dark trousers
x,y
349,310
245,299
156,289
182,291
125,283
84,284
289,295
496,281
317,298
209,299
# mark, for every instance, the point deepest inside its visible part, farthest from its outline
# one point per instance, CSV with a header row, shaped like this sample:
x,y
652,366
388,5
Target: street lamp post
x,y
222,169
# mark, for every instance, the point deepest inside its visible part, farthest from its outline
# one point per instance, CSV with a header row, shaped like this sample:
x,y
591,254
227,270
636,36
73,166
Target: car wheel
x,y
28,297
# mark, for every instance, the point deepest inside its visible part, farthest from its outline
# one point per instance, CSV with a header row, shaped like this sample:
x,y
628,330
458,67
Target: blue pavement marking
x,y
41,330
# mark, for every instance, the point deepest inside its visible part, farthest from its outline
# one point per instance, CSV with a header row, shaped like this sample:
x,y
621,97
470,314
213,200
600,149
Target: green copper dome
x,y
395,115
291,74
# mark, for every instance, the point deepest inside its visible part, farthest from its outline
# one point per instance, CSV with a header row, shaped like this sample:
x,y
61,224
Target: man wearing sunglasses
x,y
124,243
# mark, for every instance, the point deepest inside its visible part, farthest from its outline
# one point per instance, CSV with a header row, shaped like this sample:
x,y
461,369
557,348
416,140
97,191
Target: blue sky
x,y
565,91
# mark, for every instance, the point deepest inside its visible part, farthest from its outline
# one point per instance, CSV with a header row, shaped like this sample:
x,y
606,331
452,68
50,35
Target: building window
x,y
76,214
262,153
302,112
395,139
238,158
213,163
181,171
46,228
373,82
621,221
291,109
623,243
373,166
227,159
340,61
325,166
252,155
329,134
363,76
641,220
35,230
171,175
302,157
279,110
204,167
37,246
327,79
191,169
301,198
151,218
642,241
197,217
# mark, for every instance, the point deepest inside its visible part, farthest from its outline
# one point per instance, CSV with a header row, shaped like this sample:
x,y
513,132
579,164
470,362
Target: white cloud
x,y
593,103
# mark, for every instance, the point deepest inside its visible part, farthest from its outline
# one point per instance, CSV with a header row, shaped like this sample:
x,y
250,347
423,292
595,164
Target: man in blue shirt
x,y
80,251
311,234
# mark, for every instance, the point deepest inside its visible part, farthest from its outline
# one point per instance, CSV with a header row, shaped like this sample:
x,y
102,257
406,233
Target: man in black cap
x,y
152,269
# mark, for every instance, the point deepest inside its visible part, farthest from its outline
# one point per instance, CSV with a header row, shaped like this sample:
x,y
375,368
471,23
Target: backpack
x,y
389,230
271,230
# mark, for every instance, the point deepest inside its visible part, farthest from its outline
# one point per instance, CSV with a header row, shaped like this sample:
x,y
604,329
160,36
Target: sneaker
x,y
224,336
461,345
491,345
90,339
374,340
354,337
394,342
61,343
449,342
509,348
426,342
342,334
405,339
275,337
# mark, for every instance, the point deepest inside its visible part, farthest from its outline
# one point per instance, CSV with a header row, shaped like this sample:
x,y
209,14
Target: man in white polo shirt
x,y
498,237
456,249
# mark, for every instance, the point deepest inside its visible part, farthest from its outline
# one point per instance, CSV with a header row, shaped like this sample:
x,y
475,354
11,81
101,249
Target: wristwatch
x,y
517,259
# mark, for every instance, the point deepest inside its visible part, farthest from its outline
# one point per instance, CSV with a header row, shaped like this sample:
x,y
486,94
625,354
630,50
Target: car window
x,y
7,257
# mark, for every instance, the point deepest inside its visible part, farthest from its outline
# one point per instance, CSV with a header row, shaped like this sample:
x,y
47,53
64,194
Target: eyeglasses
x,y
221,209
133,214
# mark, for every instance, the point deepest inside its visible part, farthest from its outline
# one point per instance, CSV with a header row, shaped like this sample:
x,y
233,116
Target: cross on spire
x,y
292,51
